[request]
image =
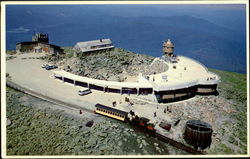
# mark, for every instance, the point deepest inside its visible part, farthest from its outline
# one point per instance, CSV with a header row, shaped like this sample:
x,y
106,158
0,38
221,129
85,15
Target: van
x,y
84,91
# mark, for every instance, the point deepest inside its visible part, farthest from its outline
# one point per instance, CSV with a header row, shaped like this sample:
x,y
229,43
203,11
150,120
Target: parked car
x,y
49,67
84,91
44,65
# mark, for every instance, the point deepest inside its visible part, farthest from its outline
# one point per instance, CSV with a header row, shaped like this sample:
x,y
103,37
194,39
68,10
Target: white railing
x,y
174,86
214,81
217,77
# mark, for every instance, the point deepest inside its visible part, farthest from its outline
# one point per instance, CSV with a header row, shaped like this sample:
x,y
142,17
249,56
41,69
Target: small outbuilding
x,y
94,45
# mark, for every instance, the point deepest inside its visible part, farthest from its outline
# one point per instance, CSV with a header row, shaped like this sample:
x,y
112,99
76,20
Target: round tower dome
x,y
168,43
168,48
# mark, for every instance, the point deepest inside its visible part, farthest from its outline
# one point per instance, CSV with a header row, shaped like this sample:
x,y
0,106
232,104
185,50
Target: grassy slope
x,y
233,87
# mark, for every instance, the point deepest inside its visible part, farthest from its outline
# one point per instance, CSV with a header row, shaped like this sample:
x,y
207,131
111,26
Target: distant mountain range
x,y
214,45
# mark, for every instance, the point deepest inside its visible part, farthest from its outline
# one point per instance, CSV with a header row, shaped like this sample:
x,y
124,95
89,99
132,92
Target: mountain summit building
x,y
94,45
184,78
39,44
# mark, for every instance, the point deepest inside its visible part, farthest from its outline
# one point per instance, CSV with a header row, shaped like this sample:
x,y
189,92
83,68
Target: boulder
x,y
156,144
119,143
8,122
87,72
89,123
113,78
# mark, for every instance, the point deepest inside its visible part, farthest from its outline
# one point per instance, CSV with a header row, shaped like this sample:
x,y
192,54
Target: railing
x,y
217,76
209,81
180,86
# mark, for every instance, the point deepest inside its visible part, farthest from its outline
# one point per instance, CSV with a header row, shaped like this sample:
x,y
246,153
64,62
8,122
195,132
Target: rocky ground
x,y
36,127
115,65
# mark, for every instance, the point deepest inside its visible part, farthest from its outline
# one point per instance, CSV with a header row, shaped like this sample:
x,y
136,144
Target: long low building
x,y
184,80
141,87
94,45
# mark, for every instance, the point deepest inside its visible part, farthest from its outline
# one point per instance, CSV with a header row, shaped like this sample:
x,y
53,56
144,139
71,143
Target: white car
x,y
84,91
44,65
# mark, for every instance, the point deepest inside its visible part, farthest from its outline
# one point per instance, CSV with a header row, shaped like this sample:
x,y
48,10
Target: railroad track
x,y
178,144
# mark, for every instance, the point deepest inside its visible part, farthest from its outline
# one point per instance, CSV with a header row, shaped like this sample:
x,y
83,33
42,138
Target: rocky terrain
x,y
115,65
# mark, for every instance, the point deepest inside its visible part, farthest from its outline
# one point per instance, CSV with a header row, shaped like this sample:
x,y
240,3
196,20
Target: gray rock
x,y
87,72
156,144
140,146
119,143
144,142
113,78
8,122
157,148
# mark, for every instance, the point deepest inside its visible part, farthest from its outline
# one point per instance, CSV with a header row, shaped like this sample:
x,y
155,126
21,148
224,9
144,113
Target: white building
x,y
93,45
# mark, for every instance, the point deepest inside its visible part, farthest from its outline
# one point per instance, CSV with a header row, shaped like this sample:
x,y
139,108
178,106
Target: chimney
x,y
100,40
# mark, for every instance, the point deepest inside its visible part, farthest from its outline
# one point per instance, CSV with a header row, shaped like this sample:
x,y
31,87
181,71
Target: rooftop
x,y
87,45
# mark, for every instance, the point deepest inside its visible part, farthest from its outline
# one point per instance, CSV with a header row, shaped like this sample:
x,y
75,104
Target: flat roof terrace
x,y
185,73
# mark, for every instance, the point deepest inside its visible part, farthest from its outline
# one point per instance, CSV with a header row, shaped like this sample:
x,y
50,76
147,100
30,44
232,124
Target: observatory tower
x,y
41,37
168,48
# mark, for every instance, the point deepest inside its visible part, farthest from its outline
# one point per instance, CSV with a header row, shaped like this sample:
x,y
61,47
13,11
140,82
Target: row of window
x,y
100,46
109,112
92,86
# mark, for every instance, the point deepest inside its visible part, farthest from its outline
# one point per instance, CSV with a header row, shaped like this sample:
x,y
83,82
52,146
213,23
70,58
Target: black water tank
x,y
198,134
